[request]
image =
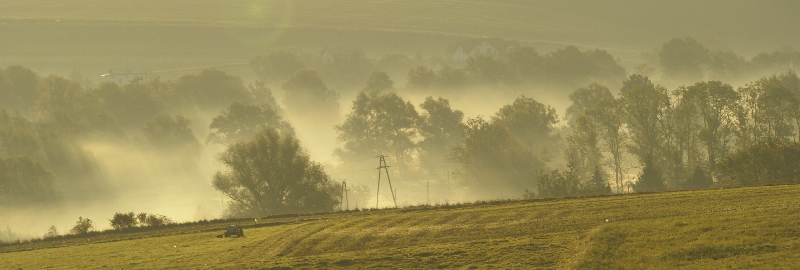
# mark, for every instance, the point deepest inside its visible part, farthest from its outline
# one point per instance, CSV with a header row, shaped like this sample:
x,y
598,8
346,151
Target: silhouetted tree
x,y
644,104
131,105
532,122
607,116
379,123
582,149
272,174
772,161
241,121
773,62
211,90
25,181
18,88
768,110
452,78
123,220
649,179
421,77
261,94
165,133
51,232
523,64
699,179
379,81
64,104
484,69
598,184
82,226
726,65
682,58
493,162
307,96
717,104
440,127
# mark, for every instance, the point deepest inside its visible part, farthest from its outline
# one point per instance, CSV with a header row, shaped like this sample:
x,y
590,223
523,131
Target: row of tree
x,y
679,138
523,66
686,59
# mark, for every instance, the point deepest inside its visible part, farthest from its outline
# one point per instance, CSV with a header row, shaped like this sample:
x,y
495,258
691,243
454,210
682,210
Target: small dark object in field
x,y
231,231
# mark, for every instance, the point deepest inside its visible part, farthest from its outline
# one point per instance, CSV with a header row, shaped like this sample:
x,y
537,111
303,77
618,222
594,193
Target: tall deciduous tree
x,y
582,150
792,82
682,58
241,121
523,64
18,88
768,107
440,127
644,104
306,95
379,81
493,162
25,181
421,77
486,70
65,104
532,122
211,90
717,104
272,174
379,123
609,117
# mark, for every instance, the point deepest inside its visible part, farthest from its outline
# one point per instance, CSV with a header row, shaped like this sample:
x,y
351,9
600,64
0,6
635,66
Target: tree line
x,y
694,136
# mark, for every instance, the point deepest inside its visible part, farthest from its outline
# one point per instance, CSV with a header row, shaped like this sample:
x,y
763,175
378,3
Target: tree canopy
x,y
272,174
241,121
378,123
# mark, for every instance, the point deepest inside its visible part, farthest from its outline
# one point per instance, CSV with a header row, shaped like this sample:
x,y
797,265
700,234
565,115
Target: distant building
x,y
337,54
490,47
124,76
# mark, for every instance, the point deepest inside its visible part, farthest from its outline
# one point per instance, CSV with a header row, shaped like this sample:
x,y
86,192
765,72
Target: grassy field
x,y
742,228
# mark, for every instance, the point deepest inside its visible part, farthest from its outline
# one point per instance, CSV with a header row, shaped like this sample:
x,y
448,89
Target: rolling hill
x,y
173,35
753,227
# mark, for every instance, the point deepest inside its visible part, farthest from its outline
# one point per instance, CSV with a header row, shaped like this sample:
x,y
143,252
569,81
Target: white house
x,y
124,76
490,47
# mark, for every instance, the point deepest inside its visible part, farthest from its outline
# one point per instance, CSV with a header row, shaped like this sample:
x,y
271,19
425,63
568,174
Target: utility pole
x,y
346,201
382,165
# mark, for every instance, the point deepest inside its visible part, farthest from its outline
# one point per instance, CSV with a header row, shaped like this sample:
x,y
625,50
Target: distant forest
x,y
622,132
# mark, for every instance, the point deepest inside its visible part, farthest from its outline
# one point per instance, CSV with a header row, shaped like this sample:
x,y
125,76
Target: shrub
x,y
82,226
123,220
52,232
769,162
152,220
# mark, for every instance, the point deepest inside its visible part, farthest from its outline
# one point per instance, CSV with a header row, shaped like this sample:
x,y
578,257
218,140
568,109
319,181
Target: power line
x,y
382,165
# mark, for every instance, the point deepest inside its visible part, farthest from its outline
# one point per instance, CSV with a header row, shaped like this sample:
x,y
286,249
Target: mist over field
x,y
200,110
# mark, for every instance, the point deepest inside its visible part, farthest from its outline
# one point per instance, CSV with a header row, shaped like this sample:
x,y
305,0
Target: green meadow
x,y
742,228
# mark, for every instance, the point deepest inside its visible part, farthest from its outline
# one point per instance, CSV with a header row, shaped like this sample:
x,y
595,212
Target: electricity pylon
x,y
382,165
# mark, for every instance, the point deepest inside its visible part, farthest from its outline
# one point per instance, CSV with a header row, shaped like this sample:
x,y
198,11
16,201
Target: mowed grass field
x,y
744,228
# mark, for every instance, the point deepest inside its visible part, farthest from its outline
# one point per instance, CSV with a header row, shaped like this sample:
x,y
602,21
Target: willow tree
x,y
272,174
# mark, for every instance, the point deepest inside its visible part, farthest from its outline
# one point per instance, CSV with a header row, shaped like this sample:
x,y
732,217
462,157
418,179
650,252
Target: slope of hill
x,y
177,34
754,227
